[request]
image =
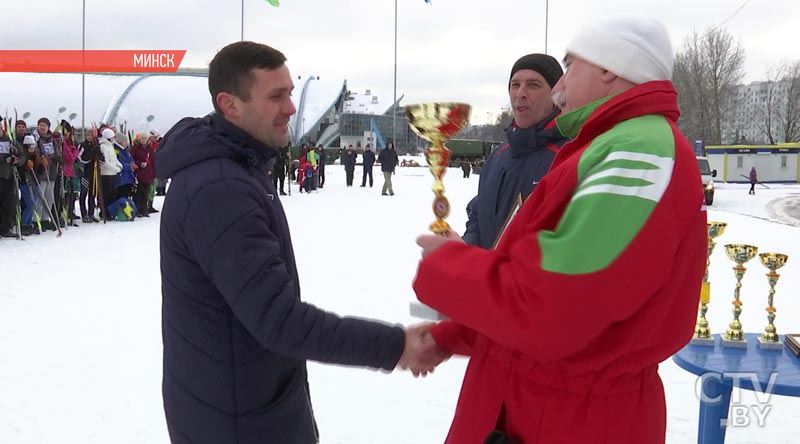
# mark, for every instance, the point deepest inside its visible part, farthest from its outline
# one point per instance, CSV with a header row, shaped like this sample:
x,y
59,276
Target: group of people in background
x,y
43,172
387,157
308,170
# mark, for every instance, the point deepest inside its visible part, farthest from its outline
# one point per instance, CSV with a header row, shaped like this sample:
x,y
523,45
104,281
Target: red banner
x,y
90,60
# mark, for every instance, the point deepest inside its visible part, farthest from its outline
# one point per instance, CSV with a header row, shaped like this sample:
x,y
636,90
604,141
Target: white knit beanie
x,y
636,48
107,134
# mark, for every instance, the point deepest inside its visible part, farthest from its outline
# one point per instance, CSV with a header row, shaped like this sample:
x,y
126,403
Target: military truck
x,y
469,150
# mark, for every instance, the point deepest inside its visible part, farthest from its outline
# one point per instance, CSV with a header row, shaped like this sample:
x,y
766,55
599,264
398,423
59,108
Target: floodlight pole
x,y
394,96
546,22
83,74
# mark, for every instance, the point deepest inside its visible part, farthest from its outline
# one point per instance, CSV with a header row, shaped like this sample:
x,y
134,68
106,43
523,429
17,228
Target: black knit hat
x,y
21,122
45,120
544,64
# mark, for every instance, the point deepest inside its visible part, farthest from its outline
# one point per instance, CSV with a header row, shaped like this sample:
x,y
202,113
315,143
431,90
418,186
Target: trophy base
x,y
707,342
420,310
766,345
734,344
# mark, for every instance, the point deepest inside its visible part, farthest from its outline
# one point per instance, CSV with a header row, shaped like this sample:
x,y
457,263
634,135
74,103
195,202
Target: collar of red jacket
x,y
589,121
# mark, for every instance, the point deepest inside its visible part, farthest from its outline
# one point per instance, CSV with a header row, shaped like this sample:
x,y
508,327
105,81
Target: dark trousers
x,y
278,178
109,191
88,193
314,180
8,205
367,172
58,194
350,172
125,191
71,191
142,199
752,188
321,169
161,188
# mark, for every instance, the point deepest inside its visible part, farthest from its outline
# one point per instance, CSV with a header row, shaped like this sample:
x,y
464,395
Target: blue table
x,y
719,366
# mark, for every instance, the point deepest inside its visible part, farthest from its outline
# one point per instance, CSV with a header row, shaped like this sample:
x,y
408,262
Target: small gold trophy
x,y
773,261
437,122
702,333
739,253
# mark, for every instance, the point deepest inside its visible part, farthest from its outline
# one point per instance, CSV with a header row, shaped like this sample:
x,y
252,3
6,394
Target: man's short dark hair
x,y
229,71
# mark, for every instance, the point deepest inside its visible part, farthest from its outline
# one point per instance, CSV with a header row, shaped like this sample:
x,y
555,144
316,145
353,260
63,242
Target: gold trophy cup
x,y
739,253
773,261
702,333
437,122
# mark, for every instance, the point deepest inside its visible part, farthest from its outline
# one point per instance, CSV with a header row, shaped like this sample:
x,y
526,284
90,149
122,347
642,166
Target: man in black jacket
x,y
511,173
236,334
349,158
279,169
388,159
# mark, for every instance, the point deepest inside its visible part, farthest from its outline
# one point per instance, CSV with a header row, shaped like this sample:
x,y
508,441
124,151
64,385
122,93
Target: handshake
x,y
421,354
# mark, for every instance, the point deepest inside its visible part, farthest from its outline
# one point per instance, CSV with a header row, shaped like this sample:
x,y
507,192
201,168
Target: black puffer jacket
x,y
236,334
388,159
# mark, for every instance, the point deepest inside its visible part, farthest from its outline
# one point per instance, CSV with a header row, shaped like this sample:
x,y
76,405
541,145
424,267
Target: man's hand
x,y
421,354
431,242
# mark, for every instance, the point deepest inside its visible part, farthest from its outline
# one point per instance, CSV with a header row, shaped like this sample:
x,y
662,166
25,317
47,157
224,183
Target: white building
x,y
774,163
747,119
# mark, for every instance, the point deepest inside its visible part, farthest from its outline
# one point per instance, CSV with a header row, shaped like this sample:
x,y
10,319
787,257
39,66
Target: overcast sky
x,y
458,50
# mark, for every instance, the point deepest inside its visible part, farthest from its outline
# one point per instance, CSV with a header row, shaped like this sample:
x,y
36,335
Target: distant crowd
x,y
44,172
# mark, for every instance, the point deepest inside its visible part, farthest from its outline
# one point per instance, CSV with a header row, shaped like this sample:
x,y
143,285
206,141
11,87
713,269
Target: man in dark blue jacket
x,y
236,334
511,173
368,161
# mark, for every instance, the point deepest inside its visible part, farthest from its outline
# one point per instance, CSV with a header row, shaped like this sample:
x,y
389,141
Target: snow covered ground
x,y
80,328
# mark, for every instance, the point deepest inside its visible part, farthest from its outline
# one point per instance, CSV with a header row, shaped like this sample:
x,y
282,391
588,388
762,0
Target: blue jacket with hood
x,y
236,334
511,171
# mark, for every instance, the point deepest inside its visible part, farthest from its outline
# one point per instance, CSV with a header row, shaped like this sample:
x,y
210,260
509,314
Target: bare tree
x,y
767,119
707,68
788,111
688,78
725,60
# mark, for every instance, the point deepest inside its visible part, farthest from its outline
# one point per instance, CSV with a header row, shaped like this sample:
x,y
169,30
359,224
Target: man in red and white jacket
x,y
596,279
